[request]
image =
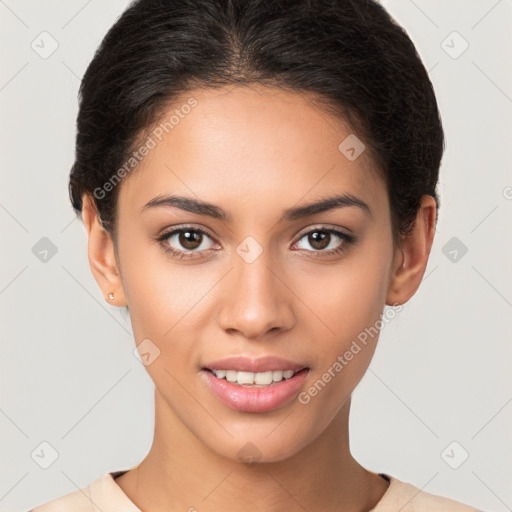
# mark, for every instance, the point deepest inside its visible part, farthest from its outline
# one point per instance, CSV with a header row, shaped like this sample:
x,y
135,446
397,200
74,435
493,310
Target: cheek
x,y
351,307
349,298
348,303
159,292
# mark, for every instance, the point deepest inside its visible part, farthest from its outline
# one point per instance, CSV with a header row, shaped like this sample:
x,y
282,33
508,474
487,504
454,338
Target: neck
x,y
181,473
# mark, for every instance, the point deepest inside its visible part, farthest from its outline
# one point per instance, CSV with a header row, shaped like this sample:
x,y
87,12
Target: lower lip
x,y
253,399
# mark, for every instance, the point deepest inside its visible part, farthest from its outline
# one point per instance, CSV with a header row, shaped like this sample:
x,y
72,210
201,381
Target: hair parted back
x,y
350,55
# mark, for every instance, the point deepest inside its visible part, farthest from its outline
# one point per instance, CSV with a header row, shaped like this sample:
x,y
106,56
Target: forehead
x,y
251,144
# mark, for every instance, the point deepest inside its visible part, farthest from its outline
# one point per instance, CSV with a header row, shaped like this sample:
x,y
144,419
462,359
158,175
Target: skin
x,y
254,152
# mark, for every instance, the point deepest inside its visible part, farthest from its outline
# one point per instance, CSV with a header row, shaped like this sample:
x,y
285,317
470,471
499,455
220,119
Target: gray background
x,y
441,373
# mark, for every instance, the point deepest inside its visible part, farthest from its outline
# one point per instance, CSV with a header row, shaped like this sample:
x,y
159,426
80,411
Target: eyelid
x,y
171,230
341,233
167,232
345,242
179,254
324,227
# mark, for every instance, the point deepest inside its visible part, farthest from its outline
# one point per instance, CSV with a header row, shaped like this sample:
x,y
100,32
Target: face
x,y
254,275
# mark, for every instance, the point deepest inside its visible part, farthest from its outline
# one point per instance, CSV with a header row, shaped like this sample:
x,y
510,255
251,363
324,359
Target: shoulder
x,y
100,495
77,501
406,497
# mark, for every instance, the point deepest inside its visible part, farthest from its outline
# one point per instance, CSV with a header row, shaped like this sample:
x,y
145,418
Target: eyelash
x,y
173,252
347,240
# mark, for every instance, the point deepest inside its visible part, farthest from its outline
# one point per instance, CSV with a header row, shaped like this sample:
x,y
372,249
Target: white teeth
x,y
277,375
263,378
245,378
253,379
231,376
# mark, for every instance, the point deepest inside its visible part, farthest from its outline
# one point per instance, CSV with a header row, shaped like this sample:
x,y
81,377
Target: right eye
x,y
184,242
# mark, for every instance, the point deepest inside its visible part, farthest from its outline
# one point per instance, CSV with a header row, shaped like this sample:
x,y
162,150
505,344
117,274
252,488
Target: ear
x,y
412,255
101,254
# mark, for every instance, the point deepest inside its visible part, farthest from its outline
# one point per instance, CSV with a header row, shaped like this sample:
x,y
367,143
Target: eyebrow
x,y
210,210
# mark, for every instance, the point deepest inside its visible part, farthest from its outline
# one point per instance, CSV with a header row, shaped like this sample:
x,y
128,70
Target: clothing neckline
x,y
115,474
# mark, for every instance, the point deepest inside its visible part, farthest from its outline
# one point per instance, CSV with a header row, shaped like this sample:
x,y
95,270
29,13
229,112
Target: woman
x,y
257,181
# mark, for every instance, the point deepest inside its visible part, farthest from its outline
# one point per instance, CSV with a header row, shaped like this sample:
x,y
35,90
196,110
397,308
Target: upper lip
x,y
254,365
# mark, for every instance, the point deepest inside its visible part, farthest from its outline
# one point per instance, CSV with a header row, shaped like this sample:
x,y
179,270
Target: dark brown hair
x,y
350,54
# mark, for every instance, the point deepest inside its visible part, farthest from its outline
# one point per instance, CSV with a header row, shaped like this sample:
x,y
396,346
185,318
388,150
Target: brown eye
x,y
325,241
190,240
186,240
319,239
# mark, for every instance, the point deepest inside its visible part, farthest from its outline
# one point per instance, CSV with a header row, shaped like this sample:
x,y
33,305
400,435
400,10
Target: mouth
x,y
254,379
255,385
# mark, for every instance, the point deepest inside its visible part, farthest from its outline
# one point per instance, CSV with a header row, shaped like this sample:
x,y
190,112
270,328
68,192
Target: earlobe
x,y
101,255
412,255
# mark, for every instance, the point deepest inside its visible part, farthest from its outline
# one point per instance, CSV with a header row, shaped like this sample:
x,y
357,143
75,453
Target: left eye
x,y
325,240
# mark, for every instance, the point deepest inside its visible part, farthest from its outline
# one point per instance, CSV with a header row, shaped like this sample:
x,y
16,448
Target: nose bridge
x,y
255,300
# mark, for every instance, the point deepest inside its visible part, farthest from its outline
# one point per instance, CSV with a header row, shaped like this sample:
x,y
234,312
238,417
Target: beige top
x,y
104,495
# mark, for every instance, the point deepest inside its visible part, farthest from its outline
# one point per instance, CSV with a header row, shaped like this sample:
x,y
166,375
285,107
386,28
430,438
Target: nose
x,y
256,299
